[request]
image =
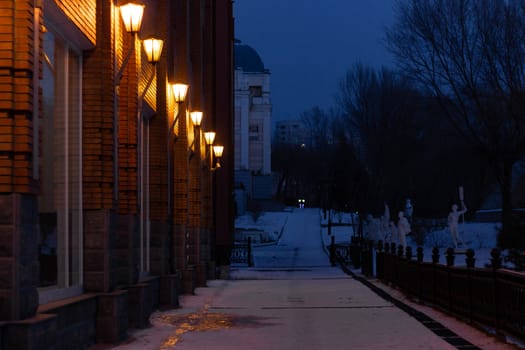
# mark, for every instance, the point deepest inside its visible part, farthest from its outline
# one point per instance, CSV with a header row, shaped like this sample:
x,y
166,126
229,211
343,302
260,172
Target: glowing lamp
x,y
132,16
153,49
196,118
217,151
209,137
179,92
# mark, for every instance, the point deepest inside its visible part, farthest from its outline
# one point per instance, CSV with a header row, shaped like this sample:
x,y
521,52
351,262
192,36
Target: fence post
x,y
495,258
450,256
408,253
355,252
470,260
496,264
435,255
419,254
332,249
371,249
435,261
249,252
400,251
379,260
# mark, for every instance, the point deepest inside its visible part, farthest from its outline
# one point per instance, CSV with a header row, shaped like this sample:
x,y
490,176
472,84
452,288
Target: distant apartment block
x,y
291,132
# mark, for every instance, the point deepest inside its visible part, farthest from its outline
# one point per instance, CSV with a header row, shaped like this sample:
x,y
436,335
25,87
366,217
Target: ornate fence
x,y
242,253
493,296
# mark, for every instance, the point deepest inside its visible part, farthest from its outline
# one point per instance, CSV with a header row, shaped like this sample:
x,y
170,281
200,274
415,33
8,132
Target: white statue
x,y
392,231
372,227
384,227
453,218
403,228
409,209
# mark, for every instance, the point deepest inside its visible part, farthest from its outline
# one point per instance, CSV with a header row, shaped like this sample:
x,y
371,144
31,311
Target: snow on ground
x,y
272,222
481,237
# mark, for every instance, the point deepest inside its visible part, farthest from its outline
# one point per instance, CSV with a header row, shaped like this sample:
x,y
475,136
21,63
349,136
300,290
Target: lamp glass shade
x,y
132,16
180,91
153,49
209,137
217,151
196,118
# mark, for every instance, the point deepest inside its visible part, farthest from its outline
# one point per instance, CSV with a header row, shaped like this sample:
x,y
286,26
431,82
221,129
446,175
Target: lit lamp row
x,y
179,93
132,17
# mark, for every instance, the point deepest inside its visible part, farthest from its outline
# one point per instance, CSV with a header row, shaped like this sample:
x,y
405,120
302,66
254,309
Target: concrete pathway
x,y
291,299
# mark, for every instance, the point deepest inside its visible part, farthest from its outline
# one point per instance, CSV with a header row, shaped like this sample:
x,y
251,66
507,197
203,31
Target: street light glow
x,y
209,137
196,118
179,92
217,151
132,16
153,49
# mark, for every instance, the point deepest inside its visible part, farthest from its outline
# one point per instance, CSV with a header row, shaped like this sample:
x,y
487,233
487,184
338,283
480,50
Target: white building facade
x,y
253,116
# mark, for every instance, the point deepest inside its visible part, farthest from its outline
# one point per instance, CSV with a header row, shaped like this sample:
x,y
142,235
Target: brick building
x,y
111,201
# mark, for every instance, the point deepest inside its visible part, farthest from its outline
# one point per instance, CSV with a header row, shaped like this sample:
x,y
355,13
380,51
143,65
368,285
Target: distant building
x,y
253,113
292,132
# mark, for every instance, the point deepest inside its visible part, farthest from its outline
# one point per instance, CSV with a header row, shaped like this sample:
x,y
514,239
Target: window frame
x,y
69,288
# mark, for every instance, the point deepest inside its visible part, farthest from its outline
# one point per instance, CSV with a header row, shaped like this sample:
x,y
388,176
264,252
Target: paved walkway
x,y
294,299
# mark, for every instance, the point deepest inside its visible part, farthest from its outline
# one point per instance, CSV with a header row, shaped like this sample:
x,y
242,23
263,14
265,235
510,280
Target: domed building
x,y
253,113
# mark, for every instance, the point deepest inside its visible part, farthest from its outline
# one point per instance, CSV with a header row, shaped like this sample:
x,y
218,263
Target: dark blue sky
x,y
309,45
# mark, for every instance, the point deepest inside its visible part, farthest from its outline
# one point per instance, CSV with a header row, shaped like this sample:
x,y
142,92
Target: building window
x,y
256,91
253,132
60,159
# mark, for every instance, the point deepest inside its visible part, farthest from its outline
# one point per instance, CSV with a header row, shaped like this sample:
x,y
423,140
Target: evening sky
x,y
308,45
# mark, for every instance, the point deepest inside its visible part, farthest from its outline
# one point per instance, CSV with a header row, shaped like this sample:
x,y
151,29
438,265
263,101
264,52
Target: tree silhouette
x,y
470,55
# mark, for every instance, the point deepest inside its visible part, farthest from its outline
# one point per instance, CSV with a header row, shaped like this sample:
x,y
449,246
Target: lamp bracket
x,y
131,49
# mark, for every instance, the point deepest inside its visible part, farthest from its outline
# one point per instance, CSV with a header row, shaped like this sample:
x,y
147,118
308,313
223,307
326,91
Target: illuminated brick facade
x,y
88,243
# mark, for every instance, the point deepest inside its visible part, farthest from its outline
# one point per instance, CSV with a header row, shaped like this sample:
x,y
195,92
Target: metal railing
x,y
242,253
492,296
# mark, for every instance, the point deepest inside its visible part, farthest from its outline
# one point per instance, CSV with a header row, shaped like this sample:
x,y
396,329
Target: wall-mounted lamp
x,y
196,120
209,137
211,150
153,49
179,93
132,16
217,152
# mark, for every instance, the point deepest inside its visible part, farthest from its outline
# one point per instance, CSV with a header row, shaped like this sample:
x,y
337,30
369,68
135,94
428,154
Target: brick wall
x,y
98,98
16,96
98,109
181,164
127,130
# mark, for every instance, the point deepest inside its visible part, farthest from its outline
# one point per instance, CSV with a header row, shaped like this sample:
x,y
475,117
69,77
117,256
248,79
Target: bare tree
x,y
470,54
317,124
384,123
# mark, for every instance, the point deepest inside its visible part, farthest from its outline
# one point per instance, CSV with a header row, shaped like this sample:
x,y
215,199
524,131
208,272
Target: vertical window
x,y
60,199
254,132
